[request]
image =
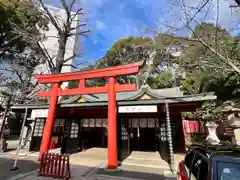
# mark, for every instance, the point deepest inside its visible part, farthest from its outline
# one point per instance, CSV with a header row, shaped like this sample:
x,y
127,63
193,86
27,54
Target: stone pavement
x,y
91,173
25,152
90,165
25,164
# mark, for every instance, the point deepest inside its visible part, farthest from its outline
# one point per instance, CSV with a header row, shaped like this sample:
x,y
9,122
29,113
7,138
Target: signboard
x,y
137,109
39,113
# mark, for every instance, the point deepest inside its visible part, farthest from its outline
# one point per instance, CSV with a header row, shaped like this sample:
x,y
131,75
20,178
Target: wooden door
x,y
71,136
37,134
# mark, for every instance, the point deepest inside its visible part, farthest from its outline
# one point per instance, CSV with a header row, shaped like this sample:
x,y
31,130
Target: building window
x,y
74,130
58,126
39,126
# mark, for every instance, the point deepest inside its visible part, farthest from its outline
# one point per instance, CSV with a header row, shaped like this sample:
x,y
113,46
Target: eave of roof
x,y
184,99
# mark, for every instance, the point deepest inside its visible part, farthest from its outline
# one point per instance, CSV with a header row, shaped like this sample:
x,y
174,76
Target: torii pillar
x,y
111,88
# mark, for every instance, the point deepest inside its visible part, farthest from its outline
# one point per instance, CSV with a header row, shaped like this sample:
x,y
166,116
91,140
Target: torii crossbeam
x,y
111,88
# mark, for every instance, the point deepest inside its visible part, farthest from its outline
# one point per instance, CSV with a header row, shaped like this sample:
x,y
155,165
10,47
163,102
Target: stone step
x,y
144,155
147,163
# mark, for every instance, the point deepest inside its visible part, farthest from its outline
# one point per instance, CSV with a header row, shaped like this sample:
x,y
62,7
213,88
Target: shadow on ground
x,y
25,165
135,172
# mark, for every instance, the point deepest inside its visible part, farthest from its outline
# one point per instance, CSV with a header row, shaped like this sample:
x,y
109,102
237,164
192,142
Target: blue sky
x,y
111,20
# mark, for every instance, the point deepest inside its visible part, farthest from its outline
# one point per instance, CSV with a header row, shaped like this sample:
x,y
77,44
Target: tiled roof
x,y
154,93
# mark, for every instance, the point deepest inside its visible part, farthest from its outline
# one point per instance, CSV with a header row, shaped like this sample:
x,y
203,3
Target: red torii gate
x,y
111,88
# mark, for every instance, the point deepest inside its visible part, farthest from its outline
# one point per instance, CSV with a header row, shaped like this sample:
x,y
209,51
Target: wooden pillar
x,y
47,133
112,124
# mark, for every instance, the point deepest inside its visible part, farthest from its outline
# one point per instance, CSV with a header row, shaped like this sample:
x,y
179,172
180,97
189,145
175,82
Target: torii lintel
x,y
128,69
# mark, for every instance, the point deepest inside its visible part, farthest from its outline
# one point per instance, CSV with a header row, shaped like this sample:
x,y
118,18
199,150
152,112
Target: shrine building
x,y
146,120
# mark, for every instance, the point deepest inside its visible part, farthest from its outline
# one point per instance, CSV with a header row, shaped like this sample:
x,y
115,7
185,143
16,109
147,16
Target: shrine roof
x,y
171,100
134,95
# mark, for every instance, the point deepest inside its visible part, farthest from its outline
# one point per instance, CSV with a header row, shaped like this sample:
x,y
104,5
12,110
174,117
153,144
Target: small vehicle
x,y
210,162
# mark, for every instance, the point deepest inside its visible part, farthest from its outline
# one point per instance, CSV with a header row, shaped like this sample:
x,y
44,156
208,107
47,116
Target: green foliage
x,y
129,43
125,51
163,80
20,23
196,56
191,83
204,70
18,20
73,84
132,49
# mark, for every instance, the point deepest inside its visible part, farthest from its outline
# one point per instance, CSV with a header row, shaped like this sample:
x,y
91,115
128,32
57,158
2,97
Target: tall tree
x,y
125,51
69,26
157,53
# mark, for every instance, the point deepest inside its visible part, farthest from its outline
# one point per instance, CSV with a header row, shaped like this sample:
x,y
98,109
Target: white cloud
x,y
100,25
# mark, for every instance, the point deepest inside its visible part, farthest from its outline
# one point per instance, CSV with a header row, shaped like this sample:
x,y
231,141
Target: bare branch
x,y
78,26
71,65
198,11
51,18
83,33
45,53
77,13
14,71
75,66
63,2
71,5
69,58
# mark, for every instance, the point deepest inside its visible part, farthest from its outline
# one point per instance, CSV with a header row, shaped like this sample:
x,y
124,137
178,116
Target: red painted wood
x,y
112,124
90,74
112,88
182,137
94,90
50,120
82,83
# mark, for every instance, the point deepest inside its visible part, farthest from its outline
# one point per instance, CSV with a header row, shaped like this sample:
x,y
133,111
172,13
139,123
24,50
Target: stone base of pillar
x,y
112,170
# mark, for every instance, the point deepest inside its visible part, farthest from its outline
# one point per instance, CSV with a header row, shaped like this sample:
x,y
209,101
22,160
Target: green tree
x,y
156,53
125,51
162,80
204,70
18,57
20,13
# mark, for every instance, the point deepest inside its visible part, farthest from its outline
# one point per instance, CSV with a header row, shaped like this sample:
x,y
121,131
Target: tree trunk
x,y
60,54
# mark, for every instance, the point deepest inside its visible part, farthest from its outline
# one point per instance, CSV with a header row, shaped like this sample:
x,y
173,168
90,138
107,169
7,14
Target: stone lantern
x,y
212,127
